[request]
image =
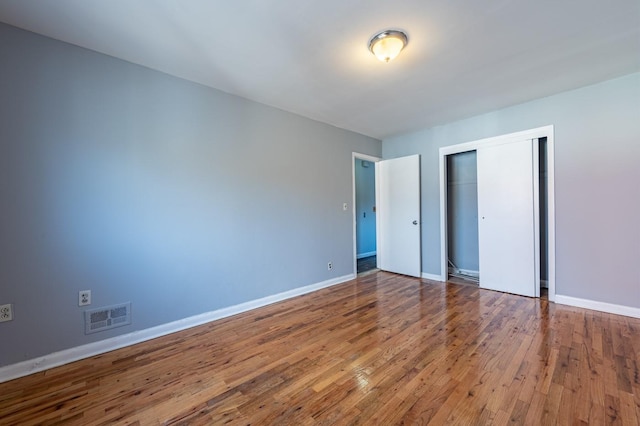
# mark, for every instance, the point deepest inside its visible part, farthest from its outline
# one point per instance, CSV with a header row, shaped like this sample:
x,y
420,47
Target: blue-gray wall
x,y
146,188
597,157
365,178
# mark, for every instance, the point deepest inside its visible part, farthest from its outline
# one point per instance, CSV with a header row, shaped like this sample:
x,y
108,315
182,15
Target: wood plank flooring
x,y
380,350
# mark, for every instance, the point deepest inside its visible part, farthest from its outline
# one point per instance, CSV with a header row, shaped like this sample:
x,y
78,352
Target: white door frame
x,y
365,157
537,133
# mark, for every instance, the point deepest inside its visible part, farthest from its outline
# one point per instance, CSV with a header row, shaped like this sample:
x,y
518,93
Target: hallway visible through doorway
x,y
366,264
364,213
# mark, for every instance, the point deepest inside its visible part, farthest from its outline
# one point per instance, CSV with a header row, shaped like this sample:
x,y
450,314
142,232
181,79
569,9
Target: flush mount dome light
x,y
387,44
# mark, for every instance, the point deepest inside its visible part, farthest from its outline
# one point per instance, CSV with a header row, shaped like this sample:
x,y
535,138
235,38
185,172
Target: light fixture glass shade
x,y
387,44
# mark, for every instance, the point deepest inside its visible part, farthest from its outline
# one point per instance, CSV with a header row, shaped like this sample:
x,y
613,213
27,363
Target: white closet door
x,y
507,212
398,215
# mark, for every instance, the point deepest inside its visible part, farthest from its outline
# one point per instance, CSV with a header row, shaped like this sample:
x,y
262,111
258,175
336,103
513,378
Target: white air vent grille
x,y
108,317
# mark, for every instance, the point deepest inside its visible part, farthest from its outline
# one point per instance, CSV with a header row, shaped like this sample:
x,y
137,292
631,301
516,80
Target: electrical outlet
x,y
84,298
329,266
6,313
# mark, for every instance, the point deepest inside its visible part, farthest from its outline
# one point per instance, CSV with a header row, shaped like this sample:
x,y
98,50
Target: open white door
x,y
398,210
507,229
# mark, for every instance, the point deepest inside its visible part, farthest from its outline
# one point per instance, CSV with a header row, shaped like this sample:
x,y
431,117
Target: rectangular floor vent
x,y
108,317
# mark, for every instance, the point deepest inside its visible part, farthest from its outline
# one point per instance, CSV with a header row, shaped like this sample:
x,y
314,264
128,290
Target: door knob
x,y
415,222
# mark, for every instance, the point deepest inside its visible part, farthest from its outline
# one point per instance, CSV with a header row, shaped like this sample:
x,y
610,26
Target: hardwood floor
x,y
382,349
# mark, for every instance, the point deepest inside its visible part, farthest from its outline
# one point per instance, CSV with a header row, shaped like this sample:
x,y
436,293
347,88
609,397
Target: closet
x,y
495,202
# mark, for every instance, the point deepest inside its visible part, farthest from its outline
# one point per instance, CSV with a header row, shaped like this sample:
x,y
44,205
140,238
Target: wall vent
x,y
106,318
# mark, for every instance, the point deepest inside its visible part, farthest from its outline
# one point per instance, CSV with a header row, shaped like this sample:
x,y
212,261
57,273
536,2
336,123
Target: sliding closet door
x,y
507,225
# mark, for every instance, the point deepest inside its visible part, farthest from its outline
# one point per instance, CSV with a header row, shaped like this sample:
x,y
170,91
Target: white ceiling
x,y
464,57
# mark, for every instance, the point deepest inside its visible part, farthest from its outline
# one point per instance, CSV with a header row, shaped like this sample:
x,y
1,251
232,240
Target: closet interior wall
x,y
544,231
462,215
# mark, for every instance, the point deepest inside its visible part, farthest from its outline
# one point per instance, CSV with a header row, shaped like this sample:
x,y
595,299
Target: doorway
x,y
462,248
397,214
364,213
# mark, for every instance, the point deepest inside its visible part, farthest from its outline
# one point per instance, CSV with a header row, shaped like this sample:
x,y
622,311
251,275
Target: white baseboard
x,y
432,277
66,356
368,254
627,311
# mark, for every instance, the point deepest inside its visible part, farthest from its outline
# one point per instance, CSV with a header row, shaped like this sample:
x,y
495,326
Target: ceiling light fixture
x,y
387,44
